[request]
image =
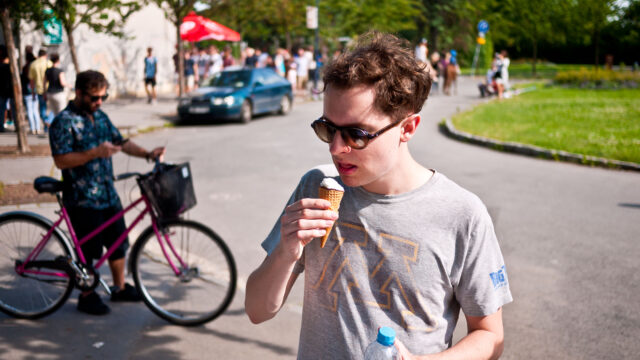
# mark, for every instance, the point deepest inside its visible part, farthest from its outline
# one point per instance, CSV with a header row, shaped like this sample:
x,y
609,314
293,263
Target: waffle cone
x,y
334,196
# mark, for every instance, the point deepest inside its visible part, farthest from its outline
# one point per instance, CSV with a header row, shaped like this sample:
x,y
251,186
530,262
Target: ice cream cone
x,y
334,196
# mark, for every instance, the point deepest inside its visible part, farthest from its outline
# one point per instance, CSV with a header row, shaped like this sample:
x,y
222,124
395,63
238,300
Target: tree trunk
x,y
433,42
596,45
535,57
180,60
23,145
72,48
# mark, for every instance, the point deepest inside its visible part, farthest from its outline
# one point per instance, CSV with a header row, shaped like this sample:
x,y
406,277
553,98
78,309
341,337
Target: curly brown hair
x,y
91,80
386,63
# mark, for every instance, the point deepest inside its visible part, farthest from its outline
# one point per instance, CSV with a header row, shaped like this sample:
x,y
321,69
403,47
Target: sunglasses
x,y
354,137
95,98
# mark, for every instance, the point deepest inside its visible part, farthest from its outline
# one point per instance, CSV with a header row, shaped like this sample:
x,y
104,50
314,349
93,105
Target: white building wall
x,y
120,60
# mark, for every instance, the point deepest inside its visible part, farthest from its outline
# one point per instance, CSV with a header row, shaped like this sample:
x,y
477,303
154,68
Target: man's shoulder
x,y
457,197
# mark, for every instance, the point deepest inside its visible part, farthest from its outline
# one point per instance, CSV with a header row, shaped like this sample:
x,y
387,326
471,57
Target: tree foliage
x,y
101,16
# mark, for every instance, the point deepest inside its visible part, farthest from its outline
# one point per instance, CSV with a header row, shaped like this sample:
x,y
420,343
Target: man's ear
x,y
408,127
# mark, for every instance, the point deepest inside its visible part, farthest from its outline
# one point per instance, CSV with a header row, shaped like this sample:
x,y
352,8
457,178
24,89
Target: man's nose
x,y
338,146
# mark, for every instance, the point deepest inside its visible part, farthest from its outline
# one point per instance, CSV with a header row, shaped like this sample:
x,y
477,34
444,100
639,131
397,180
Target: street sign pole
x,y
312,23
483,28
475,60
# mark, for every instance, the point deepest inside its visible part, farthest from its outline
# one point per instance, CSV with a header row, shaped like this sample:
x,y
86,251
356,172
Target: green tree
x,y
10,12
102,16
353,17
262,21
525,20
175,11
593,16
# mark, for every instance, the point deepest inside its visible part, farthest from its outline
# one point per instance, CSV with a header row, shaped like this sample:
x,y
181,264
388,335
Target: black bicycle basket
x,y
169,190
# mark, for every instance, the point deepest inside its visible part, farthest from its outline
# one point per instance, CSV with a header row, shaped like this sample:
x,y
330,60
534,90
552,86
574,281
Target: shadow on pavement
x,y
280,350
629,205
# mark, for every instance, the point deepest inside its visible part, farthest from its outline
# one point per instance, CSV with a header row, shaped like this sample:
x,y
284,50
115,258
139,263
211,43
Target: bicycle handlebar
x,y
127,175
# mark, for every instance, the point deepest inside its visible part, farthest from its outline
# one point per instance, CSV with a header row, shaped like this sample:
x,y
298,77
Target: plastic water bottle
x,y
382,348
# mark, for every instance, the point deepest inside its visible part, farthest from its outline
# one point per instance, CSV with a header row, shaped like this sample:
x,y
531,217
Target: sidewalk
x,y
131,116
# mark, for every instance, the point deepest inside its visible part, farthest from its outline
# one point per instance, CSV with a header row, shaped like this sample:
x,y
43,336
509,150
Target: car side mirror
x,y
257,84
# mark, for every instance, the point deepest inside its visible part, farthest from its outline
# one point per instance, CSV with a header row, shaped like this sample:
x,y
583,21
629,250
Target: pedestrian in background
x,y
421,51
435,60
302,68
150,72
203,60
56,85
30,104
7,100
36,76
227,58
190,71
215,61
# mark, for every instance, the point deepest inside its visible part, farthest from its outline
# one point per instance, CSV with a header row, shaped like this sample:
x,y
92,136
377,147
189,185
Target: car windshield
x,y
236,79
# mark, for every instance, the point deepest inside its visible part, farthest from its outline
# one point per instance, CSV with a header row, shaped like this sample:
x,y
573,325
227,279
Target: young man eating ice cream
x,y
408,249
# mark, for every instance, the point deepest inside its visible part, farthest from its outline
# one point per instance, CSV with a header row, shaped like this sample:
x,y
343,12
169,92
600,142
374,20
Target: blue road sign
x,y
483,26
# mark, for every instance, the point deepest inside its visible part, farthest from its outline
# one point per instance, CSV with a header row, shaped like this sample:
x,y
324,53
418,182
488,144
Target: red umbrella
x,y
197,28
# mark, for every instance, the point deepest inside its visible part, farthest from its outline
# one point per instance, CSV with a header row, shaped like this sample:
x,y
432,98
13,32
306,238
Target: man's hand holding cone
x,y
332,191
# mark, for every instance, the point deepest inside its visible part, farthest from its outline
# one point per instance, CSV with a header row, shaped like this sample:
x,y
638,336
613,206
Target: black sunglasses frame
x,y
346,132
95,98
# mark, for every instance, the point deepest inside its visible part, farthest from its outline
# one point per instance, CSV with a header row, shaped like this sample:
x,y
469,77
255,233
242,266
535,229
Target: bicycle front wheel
x,y
187,277
30,290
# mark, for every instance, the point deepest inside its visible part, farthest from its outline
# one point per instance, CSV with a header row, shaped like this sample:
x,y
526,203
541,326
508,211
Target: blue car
x,y
238,94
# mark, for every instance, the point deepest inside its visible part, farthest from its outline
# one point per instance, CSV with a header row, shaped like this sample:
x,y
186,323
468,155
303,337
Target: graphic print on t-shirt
x,y
376,272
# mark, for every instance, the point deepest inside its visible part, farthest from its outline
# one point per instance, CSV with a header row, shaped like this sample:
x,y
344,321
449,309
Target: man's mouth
x,y
345,168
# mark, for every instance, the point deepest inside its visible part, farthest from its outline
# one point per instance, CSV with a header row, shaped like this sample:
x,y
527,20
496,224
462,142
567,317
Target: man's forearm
x,y
133,149
267,288
74,159
478,344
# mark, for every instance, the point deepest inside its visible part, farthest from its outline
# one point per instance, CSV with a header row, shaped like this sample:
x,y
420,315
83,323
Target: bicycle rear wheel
x,y
206,282
41,289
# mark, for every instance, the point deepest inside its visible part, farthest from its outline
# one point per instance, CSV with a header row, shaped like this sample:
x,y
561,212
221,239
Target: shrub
x,y
598,79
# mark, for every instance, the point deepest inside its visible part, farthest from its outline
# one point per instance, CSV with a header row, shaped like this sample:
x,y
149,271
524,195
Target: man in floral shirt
x,y
82,140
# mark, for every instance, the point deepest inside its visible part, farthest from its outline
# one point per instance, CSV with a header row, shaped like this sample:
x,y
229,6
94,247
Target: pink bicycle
x,y
184,271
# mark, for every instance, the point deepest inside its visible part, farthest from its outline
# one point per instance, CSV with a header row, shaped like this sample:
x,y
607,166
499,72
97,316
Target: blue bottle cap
x,y
386,336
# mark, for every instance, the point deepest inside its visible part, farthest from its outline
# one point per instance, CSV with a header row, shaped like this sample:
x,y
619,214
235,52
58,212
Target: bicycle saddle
x,y
47,184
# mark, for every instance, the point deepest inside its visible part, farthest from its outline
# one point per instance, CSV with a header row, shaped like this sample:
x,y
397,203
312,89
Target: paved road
x,y
569,236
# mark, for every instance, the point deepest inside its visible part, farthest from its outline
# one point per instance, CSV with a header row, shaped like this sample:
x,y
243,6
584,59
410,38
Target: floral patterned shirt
x,y
89,185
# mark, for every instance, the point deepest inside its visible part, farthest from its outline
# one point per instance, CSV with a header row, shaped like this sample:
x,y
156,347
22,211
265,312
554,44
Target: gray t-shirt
x,y
407,261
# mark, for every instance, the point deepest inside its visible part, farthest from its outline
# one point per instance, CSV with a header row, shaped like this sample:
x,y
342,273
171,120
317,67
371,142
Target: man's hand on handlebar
x,y
156,154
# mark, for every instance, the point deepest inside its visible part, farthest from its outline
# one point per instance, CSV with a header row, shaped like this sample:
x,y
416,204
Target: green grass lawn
x,y
603,123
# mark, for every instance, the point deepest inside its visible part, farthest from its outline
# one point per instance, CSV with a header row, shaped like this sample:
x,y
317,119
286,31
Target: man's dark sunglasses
x,y
354,137
95,98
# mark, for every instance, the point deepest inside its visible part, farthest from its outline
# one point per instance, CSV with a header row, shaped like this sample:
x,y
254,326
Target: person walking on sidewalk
x,y
56,84
36,75
83,140
7,100
30,104
409,249
150,71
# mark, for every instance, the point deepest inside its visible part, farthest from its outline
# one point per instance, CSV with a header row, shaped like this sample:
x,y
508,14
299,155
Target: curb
x,y
448,129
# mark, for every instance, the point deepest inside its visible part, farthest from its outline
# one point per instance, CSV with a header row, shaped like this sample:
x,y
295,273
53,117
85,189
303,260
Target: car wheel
x,y
285,105
245,112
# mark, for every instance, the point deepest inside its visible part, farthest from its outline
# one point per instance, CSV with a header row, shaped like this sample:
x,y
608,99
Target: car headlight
x,y
227,100
184,102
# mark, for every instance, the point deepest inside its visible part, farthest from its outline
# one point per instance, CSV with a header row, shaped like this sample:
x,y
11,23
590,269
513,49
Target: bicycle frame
x,y
64,216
